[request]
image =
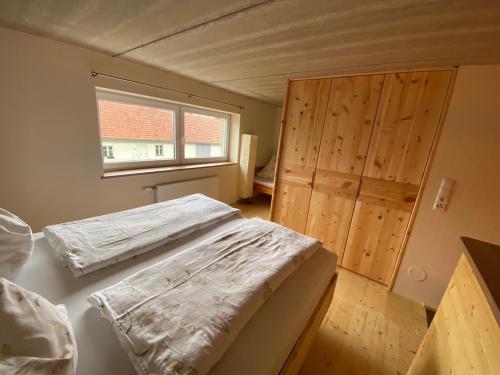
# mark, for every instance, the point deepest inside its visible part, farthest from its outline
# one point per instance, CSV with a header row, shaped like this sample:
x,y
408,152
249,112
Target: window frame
x,y
225,143
179,109
130,98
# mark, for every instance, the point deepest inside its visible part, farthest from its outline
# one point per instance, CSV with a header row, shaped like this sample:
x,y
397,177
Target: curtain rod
x,y
190,95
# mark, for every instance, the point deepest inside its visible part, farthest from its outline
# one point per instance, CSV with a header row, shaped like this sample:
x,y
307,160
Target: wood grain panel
x,y
348,123
295,175
336,183
331,207
388,194
407,119
464,337
374,239
292,195
328,221
344,144
291,205
298,151
307,101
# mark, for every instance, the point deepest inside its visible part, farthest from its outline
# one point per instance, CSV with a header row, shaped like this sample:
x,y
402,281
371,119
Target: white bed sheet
x,y
97,242
268,182
261,347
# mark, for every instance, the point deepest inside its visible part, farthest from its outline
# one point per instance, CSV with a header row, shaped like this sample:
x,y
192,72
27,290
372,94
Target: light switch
x,y
443,196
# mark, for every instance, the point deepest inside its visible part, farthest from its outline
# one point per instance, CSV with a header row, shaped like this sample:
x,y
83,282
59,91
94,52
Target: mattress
x,y
268,182
260,348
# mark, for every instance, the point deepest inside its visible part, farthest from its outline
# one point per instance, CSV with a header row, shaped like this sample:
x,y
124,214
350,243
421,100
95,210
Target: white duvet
x,y
94,243
36,337
180,315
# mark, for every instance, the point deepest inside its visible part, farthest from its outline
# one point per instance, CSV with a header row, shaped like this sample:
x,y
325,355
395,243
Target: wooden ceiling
x,y
253,46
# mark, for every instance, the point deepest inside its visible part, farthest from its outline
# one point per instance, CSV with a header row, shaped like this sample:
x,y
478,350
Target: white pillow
x,y
35,336
268,171
16,243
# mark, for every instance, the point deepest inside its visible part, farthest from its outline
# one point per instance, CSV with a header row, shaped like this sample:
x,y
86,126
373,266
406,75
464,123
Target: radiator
x,y
206,185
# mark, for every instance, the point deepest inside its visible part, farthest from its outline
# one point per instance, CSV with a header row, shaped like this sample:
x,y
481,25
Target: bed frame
x,y
262,189
299,352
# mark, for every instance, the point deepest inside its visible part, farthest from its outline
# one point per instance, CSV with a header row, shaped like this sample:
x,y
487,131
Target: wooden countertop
x,y
484,258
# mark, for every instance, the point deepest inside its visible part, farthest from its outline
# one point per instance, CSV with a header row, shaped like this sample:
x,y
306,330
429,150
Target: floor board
x,y
258,207
367,331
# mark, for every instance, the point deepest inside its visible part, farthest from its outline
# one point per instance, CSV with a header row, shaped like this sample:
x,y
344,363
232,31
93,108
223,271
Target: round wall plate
x,y
417,273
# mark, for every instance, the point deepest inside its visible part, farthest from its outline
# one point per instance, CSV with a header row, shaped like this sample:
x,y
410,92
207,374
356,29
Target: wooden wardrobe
x,y
352,156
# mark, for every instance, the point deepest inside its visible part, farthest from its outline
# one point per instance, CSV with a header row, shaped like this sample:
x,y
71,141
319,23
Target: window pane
x,y
204,136
132,132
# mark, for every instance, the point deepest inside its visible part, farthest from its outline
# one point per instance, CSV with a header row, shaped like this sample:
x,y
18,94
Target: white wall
x,y
50,166
469,153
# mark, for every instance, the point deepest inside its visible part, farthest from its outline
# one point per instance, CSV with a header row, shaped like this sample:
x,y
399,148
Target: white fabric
x,y
268,171
16,243
35,336
264,181
180,316
94,243
254,351
264,344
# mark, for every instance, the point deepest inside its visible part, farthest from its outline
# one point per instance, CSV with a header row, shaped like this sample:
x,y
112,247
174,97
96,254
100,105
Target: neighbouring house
x,y
123,139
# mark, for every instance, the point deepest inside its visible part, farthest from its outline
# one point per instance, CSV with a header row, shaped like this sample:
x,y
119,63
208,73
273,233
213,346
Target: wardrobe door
x,y
344,144
407,119
300,139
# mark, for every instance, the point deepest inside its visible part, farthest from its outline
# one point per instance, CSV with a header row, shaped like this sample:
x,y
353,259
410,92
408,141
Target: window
x,y
204,134
107,152
138,131
159,150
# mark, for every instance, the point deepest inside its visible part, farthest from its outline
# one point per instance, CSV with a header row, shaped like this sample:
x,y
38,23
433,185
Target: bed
x,y
263,185
264,178
304,296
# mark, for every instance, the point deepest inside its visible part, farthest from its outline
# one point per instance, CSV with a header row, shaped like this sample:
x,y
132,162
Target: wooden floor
x,y
259,207
367,331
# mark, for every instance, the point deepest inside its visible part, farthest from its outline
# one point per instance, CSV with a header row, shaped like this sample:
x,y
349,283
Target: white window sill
x,y
141,171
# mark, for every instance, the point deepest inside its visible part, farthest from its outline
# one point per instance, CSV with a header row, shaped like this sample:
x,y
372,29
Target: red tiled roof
x,y
131,121
119,120
202,129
